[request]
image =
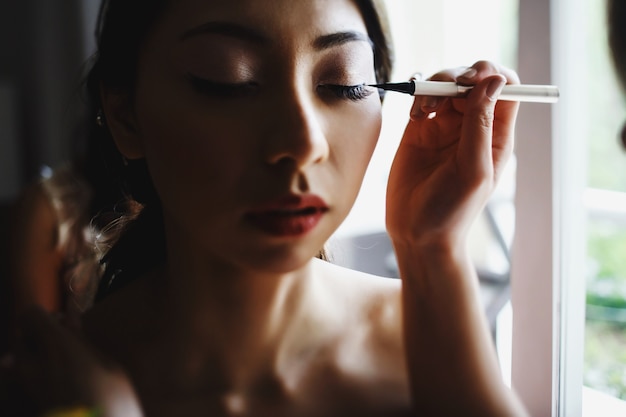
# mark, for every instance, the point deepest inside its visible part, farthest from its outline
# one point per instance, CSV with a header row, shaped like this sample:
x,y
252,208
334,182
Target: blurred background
x,y
43,45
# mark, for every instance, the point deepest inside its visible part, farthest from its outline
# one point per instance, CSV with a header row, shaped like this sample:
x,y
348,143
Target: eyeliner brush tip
x,y
406,87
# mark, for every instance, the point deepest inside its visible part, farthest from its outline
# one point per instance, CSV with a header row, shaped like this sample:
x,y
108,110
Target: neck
x,y
242,322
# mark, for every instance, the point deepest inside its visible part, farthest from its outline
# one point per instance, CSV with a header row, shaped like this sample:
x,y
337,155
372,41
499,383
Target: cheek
x,y
357,135
190,154
180,153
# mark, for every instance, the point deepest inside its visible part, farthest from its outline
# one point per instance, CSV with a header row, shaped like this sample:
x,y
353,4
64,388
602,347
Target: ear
x,y
121,122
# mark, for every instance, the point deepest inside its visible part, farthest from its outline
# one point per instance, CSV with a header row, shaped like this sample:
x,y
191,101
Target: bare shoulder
x,y
375,299
370,353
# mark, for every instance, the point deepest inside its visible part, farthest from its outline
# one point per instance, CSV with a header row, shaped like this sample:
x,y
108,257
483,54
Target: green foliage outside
x,y
605,330
605,358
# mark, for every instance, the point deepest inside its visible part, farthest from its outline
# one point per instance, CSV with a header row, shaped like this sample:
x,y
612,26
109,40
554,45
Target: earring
x,y
100,118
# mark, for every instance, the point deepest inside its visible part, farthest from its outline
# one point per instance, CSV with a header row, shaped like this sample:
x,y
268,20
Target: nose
x,y
297,132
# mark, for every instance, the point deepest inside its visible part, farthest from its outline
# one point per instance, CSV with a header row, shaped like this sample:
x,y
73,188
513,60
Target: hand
x,y
451,156
56,369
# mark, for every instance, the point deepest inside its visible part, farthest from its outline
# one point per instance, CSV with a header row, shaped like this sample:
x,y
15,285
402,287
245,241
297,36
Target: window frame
x,y
548,273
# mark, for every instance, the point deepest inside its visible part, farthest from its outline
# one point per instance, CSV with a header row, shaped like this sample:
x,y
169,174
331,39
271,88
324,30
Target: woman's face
x,y
256,156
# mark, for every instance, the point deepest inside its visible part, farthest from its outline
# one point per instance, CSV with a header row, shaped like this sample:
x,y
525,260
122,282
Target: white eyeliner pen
x,y
510,92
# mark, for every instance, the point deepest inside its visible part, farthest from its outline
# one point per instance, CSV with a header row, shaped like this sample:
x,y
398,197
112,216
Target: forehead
x,y
278,20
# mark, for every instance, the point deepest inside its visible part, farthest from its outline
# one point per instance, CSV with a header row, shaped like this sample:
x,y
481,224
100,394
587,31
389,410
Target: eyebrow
x,y
227,29
340,38
248,34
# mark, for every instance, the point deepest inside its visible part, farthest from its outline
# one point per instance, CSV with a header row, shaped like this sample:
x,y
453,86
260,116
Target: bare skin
x,y
327,342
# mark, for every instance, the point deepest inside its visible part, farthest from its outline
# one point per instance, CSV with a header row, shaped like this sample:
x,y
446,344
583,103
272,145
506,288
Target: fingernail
x,y
469,73
494,88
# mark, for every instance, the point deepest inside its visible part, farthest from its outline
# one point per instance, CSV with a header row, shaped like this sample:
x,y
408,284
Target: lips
x,y
289,216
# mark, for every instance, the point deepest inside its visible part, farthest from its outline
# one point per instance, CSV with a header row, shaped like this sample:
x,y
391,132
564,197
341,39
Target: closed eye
x,y
349,92
222,90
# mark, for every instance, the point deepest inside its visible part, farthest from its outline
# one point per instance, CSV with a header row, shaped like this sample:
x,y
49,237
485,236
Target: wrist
x,y
431,246
437,263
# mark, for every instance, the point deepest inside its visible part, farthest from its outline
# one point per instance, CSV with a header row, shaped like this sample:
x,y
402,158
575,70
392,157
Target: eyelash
x,y
222,90
349,92
236,90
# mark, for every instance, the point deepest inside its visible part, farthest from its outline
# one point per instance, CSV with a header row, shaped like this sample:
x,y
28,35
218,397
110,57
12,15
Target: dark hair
x,y
616,19
375,17
139,240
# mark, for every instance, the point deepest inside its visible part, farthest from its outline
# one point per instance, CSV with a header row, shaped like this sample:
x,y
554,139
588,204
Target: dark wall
x,y
43,44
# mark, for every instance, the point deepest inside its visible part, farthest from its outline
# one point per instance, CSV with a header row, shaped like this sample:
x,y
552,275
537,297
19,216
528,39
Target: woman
x,y
247,128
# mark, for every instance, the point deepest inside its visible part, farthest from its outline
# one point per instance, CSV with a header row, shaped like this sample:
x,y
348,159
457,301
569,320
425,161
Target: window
x,y
605,201
553,252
